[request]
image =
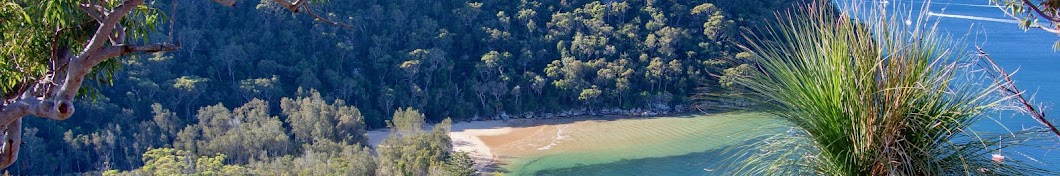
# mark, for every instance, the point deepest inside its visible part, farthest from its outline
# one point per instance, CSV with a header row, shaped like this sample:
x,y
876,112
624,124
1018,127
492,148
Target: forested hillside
x,y
448,58
222,92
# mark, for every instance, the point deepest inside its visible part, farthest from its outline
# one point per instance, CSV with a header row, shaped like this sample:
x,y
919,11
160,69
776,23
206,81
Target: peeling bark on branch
x,y
53,97
11,141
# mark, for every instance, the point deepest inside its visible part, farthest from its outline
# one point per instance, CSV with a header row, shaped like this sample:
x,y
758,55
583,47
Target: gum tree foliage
x,y
410,150
314,120
244,133
169,161
247,140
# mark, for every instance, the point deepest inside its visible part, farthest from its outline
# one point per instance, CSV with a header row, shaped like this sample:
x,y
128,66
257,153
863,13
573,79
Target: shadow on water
x,y
494,168
710,162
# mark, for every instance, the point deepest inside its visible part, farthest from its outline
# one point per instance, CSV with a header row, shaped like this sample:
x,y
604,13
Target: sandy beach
x,y
466,138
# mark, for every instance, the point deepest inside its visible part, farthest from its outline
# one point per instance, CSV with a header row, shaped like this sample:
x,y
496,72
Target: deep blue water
x,y
1030,52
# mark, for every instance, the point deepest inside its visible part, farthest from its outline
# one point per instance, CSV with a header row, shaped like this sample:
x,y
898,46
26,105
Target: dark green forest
x,y
254,88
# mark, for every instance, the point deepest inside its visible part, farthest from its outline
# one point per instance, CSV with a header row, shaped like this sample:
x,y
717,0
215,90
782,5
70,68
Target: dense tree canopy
x,y
496,57
231,144
366,58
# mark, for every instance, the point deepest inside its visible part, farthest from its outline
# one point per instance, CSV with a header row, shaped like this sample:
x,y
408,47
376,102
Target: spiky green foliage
x,y
879,95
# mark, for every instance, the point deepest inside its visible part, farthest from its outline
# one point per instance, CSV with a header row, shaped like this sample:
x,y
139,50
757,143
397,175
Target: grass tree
x,y
871,92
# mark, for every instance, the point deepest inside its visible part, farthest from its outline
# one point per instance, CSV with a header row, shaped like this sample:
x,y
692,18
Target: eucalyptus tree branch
x,y
1032,25
1050,17
61,107
52,97
92,10
43,100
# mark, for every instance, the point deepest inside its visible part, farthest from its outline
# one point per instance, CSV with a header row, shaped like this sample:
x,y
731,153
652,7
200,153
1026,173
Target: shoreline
x,y
465,138
466,135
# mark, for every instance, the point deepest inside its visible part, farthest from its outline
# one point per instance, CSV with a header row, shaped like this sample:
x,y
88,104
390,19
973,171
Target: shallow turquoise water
x,y
680,145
